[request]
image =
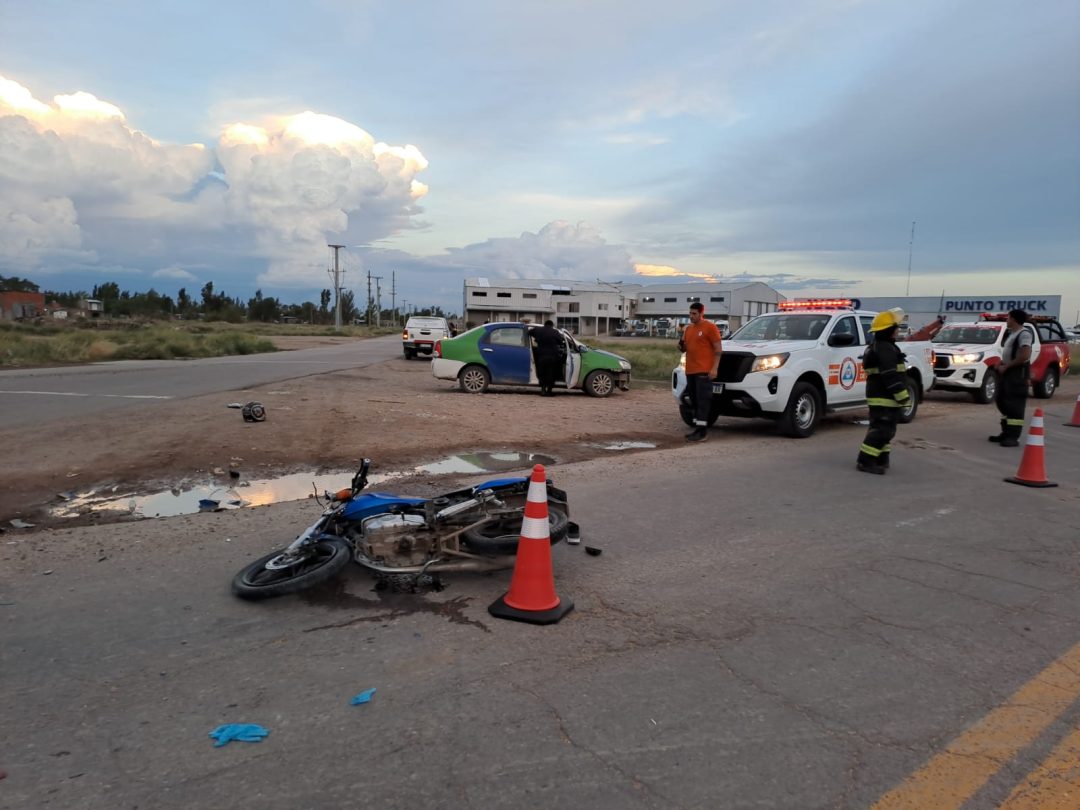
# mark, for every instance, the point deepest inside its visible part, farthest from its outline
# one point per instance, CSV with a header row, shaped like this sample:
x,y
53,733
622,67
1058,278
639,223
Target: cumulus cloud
x,y
76,177
558,250
175,274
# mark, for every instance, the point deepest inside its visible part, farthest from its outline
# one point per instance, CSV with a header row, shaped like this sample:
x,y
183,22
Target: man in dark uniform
x,y
1015,371
549,353
886,391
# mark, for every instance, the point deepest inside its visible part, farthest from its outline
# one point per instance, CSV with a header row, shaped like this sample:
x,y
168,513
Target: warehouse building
x,y
598,308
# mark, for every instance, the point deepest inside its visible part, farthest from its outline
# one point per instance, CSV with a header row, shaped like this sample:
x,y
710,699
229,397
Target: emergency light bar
x,y
817,303
1002,316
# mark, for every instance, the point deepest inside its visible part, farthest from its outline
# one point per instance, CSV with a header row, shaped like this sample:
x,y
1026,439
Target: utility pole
x,y
378,301
911,247
337,286
393,295
405,309
367,314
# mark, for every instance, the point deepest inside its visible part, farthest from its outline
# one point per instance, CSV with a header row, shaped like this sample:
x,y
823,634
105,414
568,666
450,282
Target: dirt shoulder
x,y
395,413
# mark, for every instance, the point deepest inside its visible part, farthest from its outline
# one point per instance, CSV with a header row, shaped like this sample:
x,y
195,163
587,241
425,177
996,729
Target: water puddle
x,y
625,446
214,496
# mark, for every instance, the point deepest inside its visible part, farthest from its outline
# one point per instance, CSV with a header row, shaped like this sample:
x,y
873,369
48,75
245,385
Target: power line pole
x,y
337,286
378,301
393,294
911,247
367,314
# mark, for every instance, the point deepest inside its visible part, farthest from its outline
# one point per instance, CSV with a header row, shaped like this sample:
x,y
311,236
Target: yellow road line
x,y
1055,784
953,776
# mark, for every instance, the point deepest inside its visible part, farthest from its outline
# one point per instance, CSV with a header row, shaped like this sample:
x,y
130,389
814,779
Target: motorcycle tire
x,y
326,559
501,537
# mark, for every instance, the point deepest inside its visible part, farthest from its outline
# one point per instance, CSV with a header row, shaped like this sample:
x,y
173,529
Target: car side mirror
x,y
582,348
842,340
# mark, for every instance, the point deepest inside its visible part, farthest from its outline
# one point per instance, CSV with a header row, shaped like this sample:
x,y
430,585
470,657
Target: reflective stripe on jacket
x,y
886,385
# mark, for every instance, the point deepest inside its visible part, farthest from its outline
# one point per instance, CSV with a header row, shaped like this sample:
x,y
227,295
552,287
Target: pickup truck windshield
x,y
984,335
784,327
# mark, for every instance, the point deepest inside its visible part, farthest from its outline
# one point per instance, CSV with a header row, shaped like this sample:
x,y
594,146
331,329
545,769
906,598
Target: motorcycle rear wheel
x,y
501,536
261,581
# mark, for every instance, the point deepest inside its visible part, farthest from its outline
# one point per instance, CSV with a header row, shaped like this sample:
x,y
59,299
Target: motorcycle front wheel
x,y
277,574
501,536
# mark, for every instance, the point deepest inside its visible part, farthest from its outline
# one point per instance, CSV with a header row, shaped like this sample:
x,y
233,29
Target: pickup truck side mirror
x,y
842,340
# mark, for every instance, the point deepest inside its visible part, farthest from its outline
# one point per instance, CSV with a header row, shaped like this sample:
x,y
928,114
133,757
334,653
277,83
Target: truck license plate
x,y
717,388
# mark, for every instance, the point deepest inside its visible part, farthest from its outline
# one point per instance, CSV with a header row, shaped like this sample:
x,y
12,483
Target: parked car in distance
x,y
421,332
501,354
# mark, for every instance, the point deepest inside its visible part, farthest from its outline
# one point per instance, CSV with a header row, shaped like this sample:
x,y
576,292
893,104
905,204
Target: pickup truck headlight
x,y
966,359
769,362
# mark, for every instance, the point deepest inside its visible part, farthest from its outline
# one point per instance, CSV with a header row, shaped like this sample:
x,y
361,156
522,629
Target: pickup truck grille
x,y
734,366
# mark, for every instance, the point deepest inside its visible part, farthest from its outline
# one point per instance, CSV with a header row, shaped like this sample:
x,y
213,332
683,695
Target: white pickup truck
x,y
796,364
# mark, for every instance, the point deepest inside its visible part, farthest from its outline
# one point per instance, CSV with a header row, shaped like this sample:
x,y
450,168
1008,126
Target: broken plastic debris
x,y
363,697
593,551
236,405
21,524
208,505
66,496
244,732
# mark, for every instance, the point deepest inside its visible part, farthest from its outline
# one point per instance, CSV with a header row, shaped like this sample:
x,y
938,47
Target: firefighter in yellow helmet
x,y
886,391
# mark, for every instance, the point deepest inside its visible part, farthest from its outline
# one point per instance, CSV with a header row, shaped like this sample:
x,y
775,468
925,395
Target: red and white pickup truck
x,y
966,356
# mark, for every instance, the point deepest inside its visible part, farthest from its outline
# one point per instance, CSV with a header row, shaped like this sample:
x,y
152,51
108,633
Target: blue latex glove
x,y
363,697
244,732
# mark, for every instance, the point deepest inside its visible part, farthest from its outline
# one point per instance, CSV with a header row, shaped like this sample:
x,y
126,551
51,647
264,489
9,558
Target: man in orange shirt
x,y
701,342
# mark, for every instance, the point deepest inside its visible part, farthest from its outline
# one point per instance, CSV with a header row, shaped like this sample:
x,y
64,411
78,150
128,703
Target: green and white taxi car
x,y
501,354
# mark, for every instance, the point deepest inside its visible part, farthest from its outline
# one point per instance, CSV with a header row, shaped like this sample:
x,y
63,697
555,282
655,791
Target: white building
x,y
735,302
582,307
596,308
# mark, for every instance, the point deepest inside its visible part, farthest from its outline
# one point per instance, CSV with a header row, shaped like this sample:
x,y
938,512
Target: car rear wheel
x,y
474,379
599,383
410,354
803,411
1045,388
987,392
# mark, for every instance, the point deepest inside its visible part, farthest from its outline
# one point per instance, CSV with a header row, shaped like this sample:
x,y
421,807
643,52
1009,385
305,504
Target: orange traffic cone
x,y
532,596
1076,415
1032,472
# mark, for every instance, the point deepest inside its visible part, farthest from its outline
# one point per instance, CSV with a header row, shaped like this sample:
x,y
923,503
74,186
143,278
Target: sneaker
x,y
994,438
697,436
869,468
1009,443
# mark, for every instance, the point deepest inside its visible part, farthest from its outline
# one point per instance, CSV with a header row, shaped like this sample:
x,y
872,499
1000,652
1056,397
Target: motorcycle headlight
x,y
770,362
966,359
624,365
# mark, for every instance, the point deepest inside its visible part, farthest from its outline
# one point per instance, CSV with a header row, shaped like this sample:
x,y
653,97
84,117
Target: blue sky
x,y
171,144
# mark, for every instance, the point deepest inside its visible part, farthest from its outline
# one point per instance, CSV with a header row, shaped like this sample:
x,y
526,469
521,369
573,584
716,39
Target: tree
x,y
16,284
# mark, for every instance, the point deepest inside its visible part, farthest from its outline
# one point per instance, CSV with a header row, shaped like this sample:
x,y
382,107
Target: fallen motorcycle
x,y
405,541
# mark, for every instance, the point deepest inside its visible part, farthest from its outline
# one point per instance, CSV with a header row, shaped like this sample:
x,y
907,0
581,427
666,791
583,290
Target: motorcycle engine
x,y
396,539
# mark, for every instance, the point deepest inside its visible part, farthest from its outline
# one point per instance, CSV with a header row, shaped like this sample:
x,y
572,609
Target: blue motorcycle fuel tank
x,y
375,503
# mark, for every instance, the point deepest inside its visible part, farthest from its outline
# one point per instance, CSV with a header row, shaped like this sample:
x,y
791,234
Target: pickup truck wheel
x,y
410,354
1045,388
474,379
986,392
803,411
907,413
599,383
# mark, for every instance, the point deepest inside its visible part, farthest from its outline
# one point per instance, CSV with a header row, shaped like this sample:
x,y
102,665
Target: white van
x,y
421,332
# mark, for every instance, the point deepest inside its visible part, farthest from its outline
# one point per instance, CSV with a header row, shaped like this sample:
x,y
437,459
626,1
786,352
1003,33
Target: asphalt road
x,y
765,628
35,396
